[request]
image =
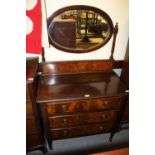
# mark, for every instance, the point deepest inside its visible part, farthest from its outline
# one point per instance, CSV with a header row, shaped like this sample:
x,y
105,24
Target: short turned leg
x,y
111,137
50,146
44,149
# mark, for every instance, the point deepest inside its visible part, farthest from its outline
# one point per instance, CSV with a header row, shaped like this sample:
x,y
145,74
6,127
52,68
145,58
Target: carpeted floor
x,y
87,145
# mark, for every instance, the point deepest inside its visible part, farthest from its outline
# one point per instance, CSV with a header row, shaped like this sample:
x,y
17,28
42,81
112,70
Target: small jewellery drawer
x,y
83,105
81,130
29,110
80,119
32,140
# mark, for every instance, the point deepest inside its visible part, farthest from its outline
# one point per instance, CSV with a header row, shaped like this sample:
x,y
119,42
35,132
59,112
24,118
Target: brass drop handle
x,y
65,120
106,103
101,128
64,107
65,132
104,116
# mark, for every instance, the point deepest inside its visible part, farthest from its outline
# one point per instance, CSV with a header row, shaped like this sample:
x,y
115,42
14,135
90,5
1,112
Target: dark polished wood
x,y
31,69
83,105
33,140
82,130
108,85
125,79
118,64
47,66
76,99
34,134
125,118
118,120
29,110
123,121
114,41
71,67
31,127
125,69
27,93
81,119
43,55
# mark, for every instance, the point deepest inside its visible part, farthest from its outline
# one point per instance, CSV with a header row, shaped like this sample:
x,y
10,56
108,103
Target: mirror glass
x,y
79,30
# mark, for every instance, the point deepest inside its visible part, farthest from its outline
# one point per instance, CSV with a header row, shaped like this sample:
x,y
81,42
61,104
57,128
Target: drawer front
x,y
81,130
29,110
83,105
32,140
80,119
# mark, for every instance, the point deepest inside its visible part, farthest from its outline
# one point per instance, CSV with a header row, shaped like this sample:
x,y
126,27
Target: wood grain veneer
x,y
83,105
81,130
76,66
81,119
79,98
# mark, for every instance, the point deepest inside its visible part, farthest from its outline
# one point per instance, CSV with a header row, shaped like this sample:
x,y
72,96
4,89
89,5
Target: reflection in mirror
x,y
79,30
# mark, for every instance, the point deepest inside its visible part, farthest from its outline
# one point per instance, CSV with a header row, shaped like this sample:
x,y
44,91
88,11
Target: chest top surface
x,y
79,86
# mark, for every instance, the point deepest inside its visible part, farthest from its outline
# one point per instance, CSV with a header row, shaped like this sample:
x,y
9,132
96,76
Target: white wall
x,y
117,10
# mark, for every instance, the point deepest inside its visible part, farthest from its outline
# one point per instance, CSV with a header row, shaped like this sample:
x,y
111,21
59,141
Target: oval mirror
x,y
79,29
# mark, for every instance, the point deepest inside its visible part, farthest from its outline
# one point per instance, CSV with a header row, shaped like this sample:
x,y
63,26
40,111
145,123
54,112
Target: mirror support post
x,y
114,41
43,55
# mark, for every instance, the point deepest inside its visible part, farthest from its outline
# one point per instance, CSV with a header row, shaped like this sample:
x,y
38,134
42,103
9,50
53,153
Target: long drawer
x,y
83,105
80,119
81,130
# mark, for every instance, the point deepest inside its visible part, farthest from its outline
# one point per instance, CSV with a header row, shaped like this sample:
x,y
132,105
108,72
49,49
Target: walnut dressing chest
x,y
79,98
76,98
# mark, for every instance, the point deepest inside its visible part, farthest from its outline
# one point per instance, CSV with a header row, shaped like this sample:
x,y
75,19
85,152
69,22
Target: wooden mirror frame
x,y
81,7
